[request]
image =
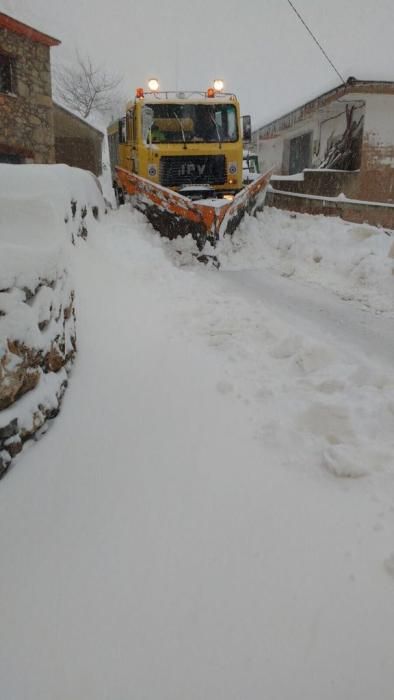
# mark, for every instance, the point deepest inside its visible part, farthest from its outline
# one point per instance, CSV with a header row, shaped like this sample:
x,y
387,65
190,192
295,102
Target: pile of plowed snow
x,y
354,260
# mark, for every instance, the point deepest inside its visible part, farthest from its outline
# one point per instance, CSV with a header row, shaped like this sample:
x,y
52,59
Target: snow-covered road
x,y
180,532
311,308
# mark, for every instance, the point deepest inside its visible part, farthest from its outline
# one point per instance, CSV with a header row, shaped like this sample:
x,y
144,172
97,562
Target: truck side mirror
x,y
246,128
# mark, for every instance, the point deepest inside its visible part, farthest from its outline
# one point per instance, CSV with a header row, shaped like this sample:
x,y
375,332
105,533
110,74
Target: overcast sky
x,y
258,47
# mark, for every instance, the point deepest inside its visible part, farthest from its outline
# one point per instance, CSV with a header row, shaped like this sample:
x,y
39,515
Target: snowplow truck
x,y
179,156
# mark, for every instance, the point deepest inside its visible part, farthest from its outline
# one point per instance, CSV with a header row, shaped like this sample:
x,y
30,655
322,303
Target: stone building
x,y
33,129
26,110
77,143
339,145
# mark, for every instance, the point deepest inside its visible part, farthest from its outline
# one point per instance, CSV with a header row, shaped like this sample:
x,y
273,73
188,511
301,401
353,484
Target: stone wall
x,y
33,378
46,214
77,143
38,339
355,211
26,114
323,183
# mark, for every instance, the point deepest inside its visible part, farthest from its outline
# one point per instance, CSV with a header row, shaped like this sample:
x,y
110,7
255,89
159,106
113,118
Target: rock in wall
x,y
34,367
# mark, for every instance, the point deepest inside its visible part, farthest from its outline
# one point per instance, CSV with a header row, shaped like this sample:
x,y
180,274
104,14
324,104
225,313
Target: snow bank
x,y
354,260
42,210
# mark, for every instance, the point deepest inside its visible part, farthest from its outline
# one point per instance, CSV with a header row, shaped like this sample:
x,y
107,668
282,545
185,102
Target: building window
x,y
6,73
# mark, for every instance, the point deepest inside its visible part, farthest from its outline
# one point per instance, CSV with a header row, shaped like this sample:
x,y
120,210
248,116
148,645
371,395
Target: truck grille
x,y
192,170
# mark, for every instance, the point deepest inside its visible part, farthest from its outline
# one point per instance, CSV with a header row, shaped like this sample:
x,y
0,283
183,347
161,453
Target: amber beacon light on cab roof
x,y
179,155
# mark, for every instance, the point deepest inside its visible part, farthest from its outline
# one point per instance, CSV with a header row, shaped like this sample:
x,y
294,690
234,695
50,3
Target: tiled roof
x,y
13,25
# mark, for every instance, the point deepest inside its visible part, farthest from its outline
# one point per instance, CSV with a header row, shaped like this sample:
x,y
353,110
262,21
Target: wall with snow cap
x,y
43,211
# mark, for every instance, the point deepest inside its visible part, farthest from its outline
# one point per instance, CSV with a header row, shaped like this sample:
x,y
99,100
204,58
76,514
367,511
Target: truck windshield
x,y
192,123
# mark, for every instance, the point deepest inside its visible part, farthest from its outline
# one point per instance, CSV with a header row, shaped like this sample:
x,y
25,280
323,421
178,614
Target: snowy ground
x,y
192,525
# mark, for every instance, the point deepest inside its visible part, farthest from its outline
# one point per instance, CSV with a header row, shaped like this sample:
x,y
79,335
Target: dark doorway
x,y
300,153
10,158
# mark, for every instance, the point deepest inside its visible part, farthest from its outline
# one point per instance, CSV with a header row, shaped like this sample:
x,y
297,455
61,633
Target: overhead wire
x,y
316,41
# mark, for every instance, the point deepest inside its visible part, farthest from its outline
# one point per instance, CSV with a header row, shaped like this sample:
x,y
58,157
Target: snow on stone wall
x,y
43,210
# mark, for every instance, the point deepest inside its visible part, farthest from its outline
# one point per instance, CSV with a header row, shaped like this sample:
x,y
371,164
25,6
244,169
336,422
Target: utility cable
x,y
316,41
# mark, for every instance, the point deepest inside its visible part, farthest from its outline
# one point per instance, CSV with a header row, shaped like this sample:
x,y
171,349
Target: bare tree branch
x,y
85,86
345,152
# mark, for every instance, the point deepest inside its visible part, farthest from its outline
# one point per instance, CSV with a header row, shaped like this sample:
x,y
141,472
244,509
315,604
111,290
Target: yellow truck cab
x,y
189,142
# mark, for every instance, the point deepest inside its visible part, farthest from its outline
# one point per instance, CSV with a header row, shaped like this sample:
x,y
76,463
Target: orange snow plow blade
x,y
173,214
250,200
